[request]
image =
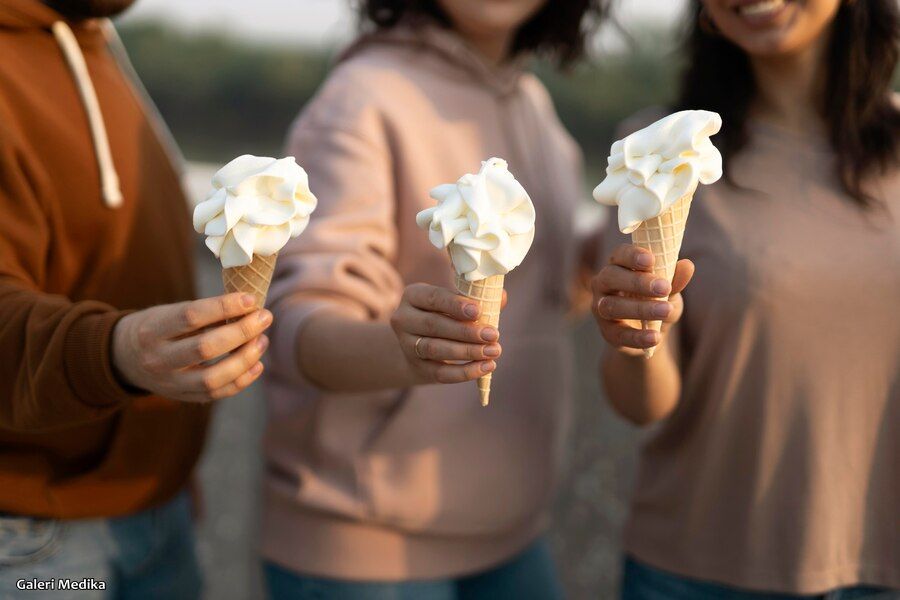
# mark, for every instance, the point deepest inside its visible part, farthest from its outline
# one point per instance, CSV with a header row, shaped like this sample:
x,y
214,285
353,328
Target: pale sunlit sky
x,y
322,21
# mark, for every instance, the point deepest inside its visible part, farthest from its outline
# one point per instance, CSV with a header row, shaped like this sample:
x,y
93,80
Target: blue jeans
x,y
147,555
643,582
529,576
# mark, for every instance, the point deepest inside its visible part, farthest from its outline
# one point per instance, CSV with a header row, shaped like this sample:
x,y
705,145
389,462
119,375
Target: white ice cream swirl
x,y
651,169
256,205
485,220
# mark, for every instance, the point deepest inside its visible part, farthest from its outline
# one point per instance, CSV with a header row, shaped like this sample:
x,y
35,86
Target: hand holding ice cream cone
x,y
486,223
651,178
256,205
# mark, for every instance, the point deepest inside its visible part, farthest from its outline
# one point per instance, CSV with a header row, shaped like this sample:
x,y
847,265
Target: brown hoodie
x,y
420,482
73,442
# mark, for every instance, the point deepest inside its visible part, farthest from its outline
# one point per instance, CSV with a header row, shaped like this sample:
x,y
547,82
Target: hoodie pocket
x,y
445,465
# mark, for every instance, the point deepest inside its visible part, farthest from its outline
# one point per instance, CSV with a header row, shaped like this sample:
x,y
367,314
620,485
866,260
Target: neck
x,y
790,88
493,48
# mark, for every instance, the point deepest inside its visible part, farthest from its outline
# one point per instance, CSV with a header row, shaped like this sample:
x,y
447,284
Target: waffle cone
x,y
251,279
663,236
488,294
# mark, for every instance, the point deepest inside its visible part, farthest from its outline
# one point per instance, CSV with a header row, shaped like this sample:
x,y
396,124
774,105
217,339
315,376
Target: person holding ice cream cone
x,y
385,475
774,388
109,364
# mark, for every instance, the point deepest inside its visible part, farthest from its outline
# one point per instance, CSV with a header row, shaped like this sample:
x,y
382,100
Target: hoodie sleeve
x,y
345,260
55,366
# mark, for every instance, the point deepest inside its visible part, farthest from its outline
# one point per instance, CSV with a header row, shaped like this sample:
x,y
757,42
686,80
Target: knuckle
x,y
413,291
434,296
430,327
633,338
145,334
209,383
639,283
247,331
617,336
190,317
241,383
227,303
443,375
621,253
473,371
396,321
150,363
205,349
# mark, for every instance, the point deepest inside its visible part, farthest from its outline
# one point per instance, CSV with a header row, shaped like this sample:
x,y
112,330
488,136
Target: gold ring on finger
x,y
418,341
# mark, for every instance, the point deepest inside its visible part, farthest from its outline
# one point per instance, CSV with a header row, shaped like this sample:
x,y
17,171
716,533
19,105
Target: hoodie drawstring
x,y
109,178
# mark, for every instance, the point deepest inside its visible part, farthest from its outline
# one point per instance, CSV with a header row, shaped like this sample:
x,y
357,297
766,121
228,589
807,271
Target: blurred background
x,y
229,76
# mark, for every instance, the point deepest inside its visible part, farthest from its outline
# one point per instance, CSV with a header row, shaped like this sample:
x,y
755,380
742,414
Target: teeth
x,y
761,8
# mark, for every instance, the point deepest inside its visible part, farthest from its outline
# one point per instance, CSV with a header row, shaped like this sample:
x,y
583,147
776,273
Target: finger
x,y
437,349
187,317
240,384
677,309
230,369
622,307
632,257
449,373
614,279
620,335
221,340
437,299
504,300
434,325
684,272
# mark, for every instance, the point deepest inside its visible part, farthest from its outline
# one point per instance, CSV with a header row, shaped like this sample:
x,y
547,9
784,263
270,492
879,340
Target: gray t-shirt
x,y
778,470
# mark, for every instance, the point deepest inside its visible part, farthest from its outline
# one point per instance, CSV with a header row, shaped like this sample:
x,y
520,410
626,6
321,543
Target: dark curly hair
x,y
863,121
558,31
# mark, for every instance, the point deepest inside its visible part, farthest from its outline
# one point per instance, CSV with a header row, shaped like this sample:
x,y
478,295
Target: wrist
x,y
119,357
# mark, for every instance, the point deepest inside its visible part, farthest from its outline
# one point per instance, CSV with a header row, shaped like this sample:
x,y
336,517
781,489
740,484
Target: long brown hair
x,y
557,31
863,121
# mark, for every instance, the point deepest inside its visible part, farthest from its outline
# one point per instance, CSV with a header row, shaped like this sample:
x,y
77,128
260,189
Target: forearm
x,y
343,354
56,369
643,391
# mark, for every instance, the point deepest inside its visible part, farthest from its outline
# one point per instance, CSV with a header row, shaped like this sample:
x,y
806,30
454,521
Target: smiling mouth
x,y
763,8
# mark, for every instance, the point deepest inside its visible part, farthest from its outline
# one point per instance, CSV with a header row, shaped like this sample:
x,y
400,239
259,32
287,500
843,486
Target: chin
x,y
772,27
491,17
91,9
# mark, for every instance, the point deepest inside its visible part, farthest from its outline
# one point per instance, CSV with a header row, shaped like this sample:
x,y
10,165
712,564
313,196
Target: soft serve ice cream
x,y
485,220
256,205
652,169
652,176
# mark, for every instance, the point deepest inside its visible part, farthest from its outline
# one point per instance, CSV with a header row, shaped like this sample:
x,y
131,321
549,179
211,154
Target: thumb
x,y
684,271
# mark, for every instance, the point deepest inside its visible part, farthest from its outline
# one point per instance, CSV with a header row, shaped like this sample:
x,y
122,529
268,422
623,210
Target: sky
x,y
320,21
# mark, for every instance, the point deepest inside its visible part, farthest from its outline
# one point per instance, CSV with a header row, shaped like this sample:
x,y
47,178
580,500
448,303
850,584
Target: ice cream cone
x,y
488,294
662,236
251,279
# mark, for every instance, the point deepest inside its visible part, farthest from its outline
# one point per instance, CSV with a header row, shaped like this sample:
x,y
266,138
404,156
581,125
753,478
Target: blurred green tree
x,y
223,96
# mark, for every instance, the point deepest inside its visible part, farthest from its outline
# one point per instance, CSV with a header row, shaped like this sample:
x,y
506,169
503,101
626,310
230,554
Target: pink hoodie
x,y
421,482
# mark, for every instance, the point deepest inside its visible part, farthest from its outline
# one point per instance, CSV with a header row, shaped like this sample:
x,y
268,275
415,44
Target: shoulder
x,y
532,86
362,89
